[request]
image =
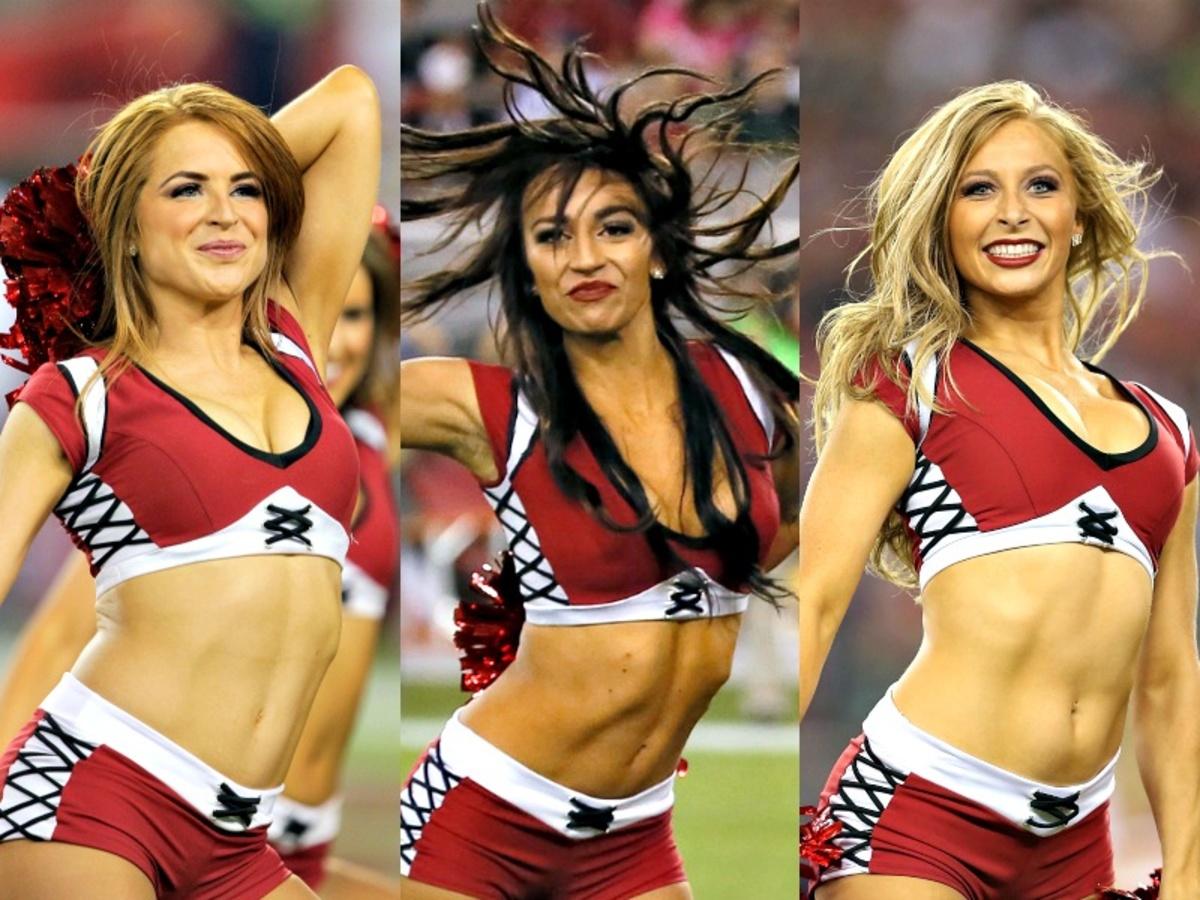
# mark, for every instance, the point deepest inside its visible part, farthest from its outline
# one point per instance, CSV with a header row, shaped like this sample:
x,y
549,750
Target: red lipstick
x,y
1013,253
591,291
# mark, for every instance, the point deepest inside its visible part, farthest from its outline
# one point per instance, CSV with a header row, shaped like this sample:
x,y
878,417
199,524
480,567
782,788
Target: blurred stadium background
x,y
871,70
65,66
736,812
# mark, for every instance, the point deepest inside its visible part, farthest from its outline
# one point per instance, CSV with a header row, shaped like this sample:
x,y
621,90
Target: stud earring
x,y
658,274
1076,239
133,251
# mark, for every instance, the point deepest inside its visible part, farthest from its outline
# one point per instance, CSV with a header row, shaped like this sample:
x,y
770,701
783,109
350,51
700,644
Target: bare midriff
x,y
605,709
1028,658
222,657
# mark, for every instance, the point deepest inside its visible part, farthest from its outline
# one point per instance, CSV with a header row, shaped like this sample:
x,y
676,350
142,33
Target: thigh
x,y
347,881
414,890
885,887
682,891
34,870
292,889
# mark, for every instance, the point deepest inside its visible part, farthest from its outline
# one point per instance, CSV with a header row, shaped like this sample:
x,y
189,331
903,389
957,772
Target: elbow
x,y
354,86
1165,689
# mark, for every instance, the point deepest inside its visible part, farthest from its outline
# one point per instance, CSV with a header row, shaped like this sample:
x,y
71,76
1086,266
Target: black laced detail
x,y
532,568
421,797
1059,810
288,524
113,529
586,817
687,594
232,806
944,501
859,817
39,773
296,828
1095,524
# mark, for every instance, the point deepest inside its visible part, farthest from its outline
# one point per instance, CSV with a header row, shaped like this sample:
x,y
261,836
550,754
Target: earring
x,y
133,251
1076,239
657,273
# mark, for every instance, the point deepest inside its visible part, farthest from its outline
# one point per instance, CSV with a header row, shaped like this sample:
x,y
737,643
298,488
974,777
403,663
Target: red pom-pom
x,y
816,840
53,276
1145,892
488,625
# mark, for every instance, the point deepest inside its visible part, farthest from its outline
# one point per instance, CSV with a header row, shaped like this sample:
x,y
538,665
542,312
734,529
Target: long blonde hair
x,y
915,293
111,178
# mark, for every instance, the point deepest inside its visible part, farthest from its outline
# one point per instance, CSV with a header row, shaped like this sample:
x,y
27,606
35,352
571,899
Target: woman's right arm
x,y
34,474
62,624
865,466
439,411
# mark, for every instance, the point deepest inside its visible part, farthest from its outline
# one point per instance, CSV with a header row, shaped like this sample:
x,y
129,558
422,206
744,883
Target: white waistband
x,y
297,826
89,716
690,595
905,747
1060,526
362,596
568,812
248,536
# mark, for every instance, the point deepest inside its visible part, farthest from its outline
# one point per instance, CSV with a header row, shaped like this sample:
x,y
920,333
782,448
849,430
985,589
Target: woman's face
x,y
1012,217
201,217
353,337
591,268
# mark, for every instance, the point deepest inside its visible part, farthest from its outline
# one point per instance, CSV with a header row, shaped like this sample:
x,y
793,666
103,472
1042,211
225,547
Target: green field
x,y
735,815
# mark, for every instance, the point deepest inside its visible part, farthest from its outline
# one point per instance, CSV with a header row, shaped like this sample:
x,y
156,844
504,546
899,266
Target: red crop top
x,y
1001,471
159,484
575,571
374,556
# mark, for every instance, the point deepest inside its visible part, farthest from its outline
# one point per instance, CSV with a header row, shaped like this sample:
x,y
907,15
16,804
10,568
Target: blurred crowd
x,y
871,70
446,84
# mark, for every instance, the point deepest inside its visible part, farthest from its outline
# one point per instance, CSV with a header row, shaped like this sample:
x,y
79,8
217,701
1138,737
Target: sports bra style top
x,y
575,571
999,470
159,484
374,556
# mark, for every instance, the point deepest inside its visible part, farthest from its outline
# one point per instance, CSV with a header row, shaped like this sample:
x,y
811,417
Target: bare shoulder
x,y
439,411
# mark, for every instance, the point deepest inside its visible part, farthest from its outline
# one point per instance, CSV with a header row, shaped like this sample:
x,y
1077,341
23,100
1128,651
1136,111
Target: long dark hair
x,y
482,174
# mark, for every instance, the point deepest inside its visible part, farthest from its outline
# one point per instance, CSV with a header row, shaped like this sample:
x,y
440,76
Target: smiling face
x,y
1012,217
591,267
352,340
201,217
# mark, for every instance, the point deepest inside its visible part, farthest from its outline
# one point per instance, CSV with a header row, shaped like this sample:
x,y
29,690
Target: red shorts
x,y
65,780
996,836
459,833
308,864
303,834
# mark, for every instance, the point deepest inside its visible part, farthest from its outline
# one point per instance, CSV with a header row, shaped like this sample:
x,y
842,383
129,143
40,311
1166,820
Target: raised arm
x,y
439,411
63,623
863,469
1167,708
333,130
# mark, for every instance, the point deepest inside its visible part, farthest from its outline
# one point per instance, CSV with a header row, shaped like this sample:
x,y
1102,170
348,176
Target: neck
x,y
632,365
1031,328
189,330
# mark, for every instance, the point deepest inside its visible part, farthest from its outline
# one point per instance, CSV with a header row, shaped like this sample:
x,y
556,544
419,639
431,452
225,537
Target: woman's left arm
x,y
1167,708
333,130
